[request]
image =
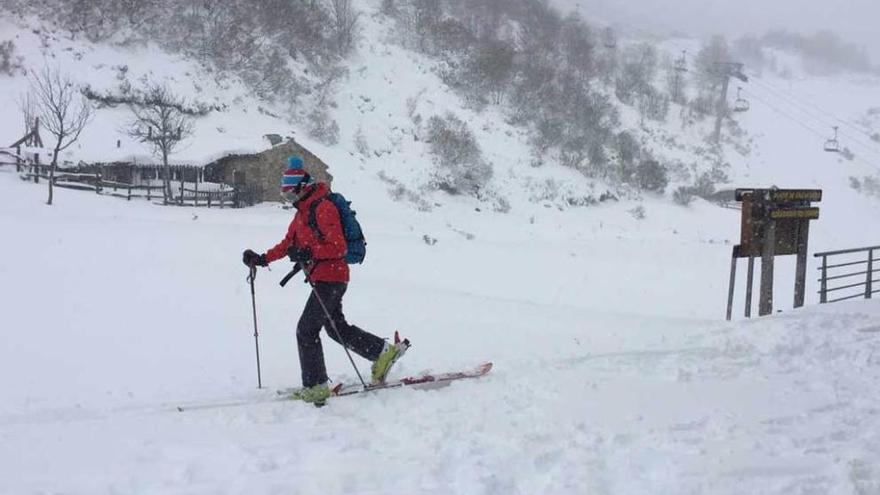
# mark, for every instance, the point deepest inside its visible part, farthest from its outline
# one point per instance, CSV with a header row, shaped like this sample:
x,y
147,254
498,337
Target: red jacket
x,y
329,254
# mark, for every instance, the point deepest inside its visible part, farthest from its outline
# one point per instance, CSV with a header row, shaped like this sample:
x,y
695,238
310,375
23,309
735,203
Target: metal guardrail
x,y
832,272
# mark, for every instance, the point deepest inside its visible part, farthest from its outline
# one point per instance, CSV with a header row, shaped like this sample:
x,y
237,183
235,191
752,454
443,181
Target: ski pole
x,y
333,324
251,277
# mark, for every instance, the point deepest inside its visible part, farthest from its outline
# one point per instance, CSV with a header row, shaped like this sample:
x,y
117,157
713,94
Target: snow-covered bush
x,y
360,142
323,128
541,65
702,106
638,70
345,25
866,185
704,186
460,166
638,212
8,61
628,153
683,196
651,176
400,192
654,105
273,45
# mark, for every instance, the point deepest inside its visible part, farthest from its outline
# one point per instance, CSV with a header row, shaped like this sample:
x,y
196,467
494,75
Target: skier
x,y
322,257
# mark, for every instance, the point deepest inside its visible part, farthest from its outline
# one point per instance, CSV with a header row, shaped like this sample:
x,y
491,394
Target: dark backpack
x,y
351,228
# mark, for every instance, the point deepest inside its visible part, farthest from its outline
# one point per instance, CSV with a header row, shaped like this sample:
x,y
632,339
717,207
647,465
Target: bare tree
x,y
160,122
28,106
345,24
63,110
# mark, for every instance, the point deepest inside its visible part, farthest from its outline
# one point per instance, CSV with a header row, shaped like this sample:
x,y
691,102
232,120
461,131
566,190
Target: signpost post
x,y
775,222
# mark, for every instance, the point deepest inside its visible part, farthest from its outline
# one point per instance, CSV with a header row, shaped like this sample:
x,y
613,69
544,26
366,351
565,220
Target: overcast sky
x,y
857,21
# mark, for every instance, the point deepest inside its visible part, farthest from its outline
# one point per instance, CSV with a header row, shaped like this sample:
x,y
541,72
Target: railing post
x,y
870,280
823,290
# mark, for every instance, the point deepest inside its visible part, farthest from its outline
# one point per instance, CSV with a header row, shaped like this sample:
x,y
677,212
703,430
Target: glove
x,y
299,255
251,258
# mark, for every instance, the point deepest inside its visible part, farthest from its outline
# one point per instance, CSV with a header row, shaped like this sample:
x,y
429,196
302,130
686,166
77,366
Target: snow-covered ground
x,y
612,375
614,370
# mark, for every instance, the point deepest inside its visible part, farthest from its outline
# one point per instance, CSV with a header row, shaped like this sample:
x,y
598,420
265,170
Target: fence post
x,y
129,192
36,168
18,158
823,290
870,282
98,182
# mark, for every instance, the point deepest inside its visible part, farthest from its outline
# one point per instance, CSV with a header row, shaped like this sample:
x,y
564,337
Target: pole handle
x,y
296,269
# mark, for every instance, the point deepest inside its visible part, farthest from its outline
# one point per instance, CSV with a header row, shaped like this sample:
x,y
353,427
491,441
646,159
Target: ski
x,y
423,381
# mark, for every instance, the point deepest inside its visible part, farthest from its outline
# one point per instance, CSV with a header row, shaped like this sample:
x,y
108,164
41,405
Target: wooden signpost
x,y
775,222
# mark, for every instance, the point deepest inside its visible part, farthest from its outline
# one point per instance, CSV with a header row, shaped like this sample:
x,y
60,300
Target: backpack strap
x,y
313,218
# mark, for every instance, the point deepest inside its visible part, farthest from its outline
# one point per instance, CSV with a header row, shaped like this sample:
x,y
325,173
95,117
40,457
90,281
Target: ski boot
x,y
390,354
317,394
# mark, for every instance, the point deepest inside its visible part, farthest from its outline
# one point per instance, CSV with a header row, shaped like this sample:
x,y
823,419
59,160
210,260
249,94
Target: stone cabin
x,y
261,173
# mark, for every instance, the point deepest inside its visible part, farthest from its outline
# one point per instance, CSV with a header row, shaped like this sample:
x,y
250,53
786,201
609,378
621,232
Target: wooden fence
x,y
224,196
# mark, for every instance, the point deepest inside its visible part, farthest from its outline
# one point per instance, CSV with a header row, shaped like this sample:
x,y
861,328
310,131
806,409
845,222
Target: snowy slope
x,y
614,372
236,124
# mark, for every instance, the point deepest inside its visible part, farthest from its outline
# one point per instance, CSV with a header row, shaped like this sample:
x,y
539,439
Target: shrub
x,y
683,196
323,128
704,187
654,105
638,212
360,143
8,61
461,168
651,176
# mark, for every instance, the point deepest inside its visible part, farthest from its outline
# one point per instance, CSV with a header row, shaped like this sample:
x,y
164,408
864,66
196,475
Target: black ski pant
x,y
308,338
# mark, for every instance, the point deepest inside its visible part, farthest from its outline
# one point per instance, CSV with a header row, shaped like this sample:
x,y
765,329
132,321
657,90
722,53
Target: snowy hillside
x,y
614,370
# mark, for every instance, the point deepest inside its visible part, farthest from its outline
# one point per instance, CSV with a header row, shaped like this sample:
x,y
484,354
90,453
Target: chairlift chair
x,y
741,104
833,145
